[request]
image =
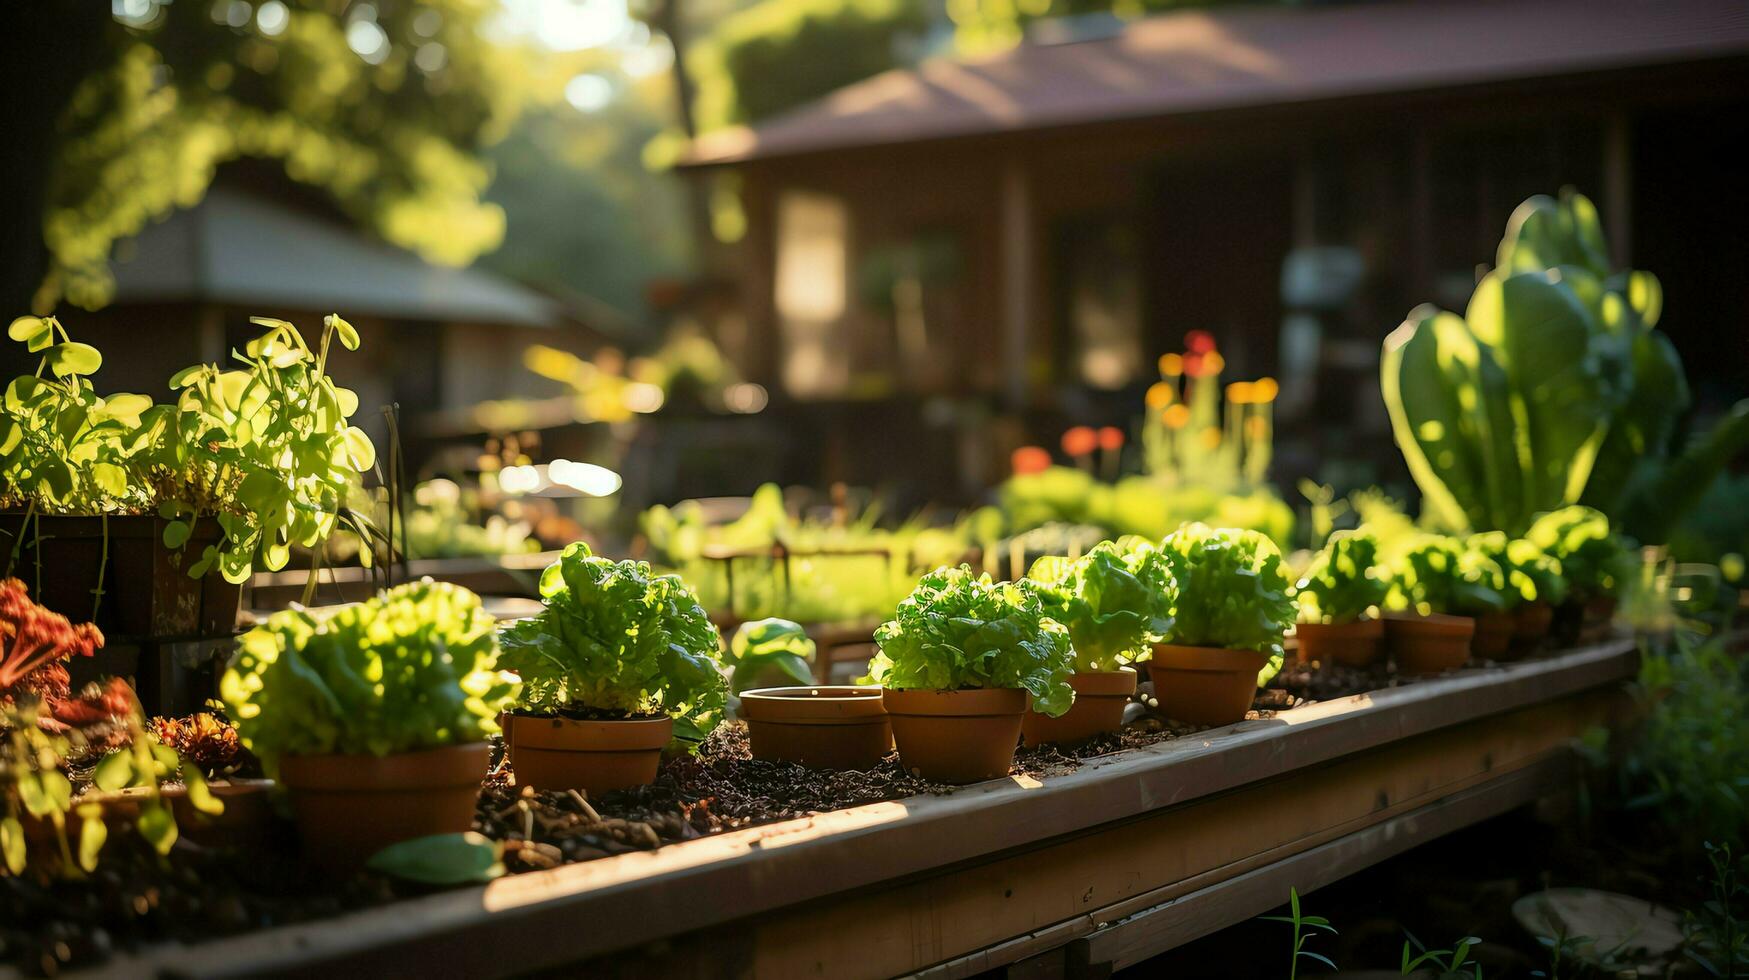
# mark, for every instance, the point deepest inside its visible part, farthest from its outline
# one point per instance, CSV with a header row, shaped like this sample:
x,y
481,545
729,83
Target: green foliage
x,y
415,667
442,859
1305,927
1716,531
764,646
1594,559
1232,590
1445,963
957,630
1344,580
1115,601
1532,575
1439,575
267,451
1554,385
614,636
392,135
1715,937
766,59
1689,761
1142,505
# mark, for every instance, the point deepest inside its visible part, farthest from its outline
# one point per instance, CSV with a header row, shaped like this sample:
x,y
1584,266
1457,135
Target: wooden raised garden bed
x,y
1123,857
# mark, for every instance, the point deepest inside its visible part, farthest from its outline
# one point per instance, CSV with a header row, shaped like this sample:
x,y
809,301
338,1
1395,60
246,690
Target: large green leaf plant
x,y
1116,601
615,637
1554,387
958,631
416,667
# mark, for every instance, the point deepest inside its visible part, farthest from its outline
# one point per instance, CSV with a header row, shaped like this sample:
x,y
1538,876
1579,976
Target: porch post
x,y
1017,263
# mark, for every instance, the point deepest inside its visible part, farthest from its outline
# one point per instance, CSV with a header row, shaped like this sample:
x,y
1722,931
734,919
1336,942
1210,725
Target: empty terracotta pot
x,y
1204,685
957,736
1492,639
1100,697
822,727
349,807
1357,644
1431,644
593,756
1535,620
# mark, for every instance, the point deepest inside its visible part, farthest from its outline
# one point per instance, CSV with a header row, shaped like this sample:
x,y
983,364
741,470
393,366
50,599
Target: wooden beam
x,y
1016,232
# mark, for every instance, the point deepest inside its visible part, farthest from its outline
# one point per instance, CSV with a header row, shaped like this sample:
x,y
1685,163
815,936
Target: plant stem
x,y
18,545
102,563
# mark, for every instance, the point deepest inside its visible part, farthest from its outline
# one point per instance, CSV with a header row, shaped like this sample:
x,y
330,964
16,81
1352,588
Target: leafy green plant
x,y
764,646
1447,962
1716,938
616,637
415,667
1553,386
1532,574
1439,575
1232,590
1115,601
1305,927
268,451
1344,580
1594,559
958,630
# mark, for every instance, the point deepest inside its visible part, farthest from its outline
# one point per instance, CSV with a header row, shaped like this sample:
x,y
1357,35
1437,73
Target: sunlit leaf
x,y
200,796
72,358
92,835
442,859
158,826
116,771
12,844
347,333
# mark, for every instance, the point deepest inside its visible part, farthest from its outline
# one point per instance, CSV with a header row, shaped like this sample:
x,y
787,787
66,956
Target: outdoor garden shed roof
x,y
240,249
1208,61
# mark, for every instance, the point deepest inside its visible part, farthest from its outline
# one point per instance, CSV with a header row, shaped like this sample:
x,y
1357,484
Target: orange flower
x,y
1030,459
1176,416
1160,394
1111,438
1265,390
1171,365
1199,342
1080,441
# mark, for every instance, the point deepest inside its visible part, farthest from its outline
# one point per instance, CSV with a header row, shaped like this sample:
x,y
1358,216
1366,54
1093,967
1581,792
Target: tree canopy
x,y
386,107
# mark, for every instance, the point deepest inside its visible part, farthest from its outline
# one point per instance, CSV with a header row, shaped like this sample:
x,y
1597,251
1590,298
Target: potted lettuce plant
x,y
960,660
1437,588
1116,602
619,661
1594,559
822,726
151,516
1534,586
1232,612
374,716
1338,598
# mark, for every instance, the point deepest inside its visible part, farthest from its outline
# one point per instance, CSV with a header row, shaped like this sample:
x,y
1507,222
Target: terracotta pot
x,y
348,807
593,756
245,822
1492,639
1430,644
1535,621
822,727
1100,697
957,736
1204,685
1357,644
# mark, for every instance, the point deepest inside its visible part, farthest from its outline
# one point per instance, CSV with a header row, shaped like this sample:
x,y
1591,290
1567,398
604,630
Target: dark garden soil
x,y
49,925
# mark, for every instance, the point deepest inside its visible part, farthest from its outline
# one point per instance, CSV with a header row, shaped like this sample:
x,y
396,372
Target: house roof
x,y
1239,57
242,249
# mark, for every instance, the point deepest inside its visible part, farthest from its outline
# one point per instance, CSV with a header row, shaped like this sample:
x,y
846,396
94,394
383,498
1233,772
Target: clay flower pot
x,y
1535,621
1100,697
349,807
1357,644
1492,639
957,736
822,727
1430,644
593,756
1204,685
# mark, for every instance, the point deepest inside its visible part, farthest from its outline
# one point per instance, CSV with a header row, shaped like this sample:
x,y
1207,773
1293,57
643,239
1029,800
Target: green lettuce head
x,y
1439,575
416,667
1532,575
767,648
1594,559
1343,581
615,636
1232,592
958,630
1115,601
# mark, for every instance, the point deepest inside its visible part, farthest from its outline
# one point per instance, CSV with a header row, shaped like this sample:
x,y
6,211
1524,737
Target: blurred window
x,y
813,233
